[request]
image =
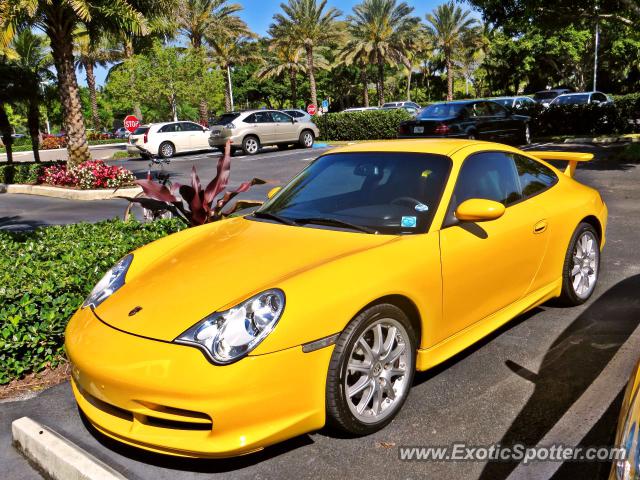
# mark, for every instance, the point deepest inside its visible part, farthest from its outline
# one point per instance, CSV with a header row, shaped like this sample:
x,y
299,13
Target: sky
x,y
258,15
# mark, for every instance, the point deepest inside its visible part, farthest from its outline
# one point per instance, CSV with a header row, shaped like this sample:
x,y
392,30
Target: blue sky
x,y
258,15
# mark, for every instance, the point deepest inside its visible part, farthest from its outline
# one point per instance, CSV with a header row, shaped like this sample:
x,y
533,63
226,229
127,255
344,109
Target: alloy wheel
x,y
166,150
584,267
251,145
307,139
376,379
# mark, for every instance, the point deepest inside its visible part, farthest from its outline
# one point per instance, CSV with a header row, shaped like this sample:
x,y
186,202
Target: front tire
x,y
166,150
306,139
371,370
581,266
525,136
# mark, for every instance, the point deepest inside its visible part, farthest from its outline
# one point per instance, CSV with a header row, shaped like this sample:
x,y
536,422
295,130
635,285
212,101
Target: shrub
x,y
24,172
45,276
90,174
49,143
368,125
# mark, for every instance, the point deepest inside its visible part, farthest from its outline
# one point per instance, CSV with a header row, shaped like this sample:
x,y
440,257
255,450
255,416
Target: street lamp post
x,y
595,55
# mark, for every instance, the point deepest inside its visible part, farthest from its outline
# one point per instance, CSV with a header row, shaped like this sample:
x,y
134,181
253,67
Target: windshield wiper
x,y
334,222
273,216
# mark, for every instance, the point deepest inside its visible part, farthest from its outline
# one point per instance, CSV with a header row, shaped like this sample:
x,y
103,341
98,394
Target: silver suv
x,y
252,129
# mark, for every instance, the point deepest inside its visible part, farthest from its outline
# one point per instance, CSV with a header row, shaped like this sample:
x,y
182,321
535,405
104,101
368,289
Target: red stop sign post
x,y
312,109
131,123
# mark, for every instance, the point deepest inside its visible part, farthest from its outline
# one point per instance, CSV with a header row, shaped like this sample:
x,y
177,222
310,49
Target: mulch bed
x,y
35,382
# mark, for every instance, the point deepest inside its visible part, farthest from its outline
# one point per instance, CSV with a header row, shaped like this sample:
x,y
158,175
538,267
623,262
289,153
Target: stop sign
x,y
312,109
131,123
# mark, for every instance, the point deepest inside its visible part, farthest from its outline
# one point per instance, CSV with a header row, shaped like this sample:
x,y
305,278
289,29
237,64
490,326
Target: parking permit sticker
x,y
408,222
421,207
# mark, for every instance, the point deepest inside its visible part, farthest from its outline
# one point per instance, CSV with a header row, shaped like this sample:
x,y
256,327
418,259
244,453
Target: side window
x,y
262,117
496,110
534,176
172,127
190,127
250,119
280,117
598,97
488,175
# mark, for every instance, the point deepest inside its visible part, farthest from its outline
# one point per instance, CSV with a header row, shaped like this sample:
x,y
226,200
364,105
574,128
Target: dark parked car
x,y
545,96
473,119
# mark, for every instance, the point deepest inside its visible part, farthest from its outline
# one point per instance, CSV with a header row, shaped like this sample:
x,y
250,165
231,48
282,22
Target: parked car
x,y
584,98
473,119
121,133
544,97
167,139
298,114
391,105
253,129
514,103
359,109
628,432
18,135
378,260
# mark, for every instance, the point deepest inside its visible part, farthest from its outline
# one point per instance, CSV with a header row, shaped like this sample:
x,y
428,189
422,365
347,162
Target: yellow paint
x,y
464,280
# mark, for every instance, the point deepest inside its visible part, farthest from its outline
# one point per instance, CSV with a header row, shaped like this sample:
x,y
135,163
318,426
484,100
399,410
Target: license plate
x,y
418,129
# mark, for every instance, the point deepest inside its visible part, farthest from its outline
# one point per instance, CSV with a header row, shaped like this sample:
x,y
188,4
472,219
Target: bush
x,y
49,143
87,175
24,172
368,125
45,276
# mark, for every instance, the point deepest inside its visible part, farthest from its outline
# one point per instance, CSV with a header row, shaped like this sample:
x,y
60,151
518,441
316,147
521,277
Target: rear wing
x,y
572,157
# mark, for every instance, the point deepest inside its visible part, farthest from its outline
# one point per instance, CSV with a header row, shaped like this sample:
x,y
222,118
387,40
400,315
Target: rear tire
x,y
525,136
306,139
472,136
371,370
581,267
166,150
250,145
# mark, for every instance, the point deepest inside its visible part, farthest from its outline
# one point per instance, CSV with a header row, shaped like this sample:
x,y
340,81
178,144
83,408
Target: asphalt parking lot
x,y
554,375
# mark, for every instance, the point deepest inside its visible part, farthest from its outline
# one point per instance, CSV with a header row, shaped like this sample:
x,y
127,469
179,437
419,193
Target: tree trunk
x,y
5,129
33,122
409,84
312,74
293,77
91,84
60,31
380,84
137,111
449,78
227,96
203,112
365,85
127,48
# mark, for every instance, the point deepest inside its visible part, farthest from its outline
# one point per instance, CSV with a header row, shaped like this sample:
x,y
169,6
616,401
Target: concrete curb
x,y
56,456
603,140
71,194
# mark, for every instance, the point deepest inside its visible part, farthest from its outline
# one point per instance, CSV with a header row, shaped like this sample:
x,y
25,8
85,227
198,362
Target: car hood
x,y
174,283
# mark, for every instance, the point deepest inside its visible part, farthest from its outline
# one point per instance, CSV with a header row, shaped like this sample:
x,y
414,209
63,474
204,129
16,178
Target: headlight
x,y
112,281
228,336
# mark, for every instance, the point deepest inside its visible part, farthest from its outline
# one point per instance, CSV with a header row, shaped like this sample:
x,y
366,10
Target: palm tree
x,y
448,26
33,58
59,19
93,48
198,19
379,31
312,25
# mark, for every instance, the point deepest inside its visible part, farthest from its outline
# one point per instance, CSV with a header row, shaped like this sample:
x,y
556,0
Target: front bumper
x,y
168,398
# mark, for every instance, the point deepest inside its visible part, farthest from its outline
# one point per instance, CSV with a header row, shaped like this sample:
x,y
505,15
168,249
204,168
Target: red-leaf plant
x,y
197,205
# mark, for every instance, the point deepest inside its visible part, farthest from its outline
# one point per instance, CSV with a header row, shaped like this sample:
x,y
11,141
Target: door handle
x,y
540,227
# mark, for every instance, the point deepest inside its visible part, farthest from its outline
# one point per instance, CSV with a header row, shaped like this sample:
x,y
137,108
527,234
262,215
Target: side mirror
x,y
479,210
272,193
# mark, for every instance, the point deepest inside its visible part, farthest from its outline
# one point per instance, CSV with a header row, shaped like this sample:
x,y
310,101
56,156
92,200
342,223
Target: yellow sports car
x,y
375,261
628,434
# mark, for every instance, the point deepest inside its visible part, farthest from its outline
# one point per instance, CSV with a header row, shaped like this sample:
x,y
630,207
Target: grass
x,y
630,153
27,147
121,155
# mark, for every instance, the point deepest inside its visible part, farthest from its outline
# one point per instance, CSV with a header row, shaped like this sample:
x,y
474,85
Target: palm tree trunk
x,y
380,80
227,96
311,73
60,31
409,84
365,85
33,122
293,77
449,78
127,48
93,99
5,129
203,112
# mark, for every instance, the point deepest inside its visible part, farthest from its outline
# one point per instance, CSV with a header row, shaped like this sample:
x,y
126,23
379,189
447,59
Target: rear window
x,y
442,110
225,118
140,130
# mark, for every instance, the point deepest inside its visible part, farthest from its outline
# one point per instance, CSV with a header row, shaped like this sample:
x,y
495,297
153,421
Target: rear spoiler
x,y
572,157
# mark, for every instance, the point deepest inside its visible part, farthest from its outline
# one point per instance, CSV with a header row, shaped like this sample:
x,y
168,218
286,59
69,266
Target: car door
x,y
503,124
286,128
478,114
264,127
197,138
486,266
173,133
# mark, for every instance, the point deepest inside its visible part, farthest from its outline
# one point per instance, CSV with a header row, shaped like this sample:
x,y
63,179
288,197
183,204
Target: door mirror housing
x,y
479,210
272,193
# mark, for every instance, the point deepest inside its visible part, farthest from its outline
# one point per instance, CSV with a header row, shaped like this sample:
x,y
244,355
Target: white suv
x,y
167,139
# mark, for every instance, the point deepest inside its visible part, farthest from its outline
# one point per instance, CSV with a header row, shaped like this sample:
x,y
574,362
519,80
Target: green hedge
x,y
45,276
368,125
23,172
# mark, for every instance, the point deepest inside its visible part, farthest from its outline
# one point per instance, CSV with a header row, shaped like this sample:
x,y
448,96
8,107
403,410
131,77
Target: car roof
x,y
576,93
437,146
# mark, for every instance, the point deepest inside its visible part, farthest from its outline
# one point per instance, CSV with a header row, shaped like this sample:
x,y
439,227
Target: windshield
x,y
442,110
225,118
389,192
571,99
